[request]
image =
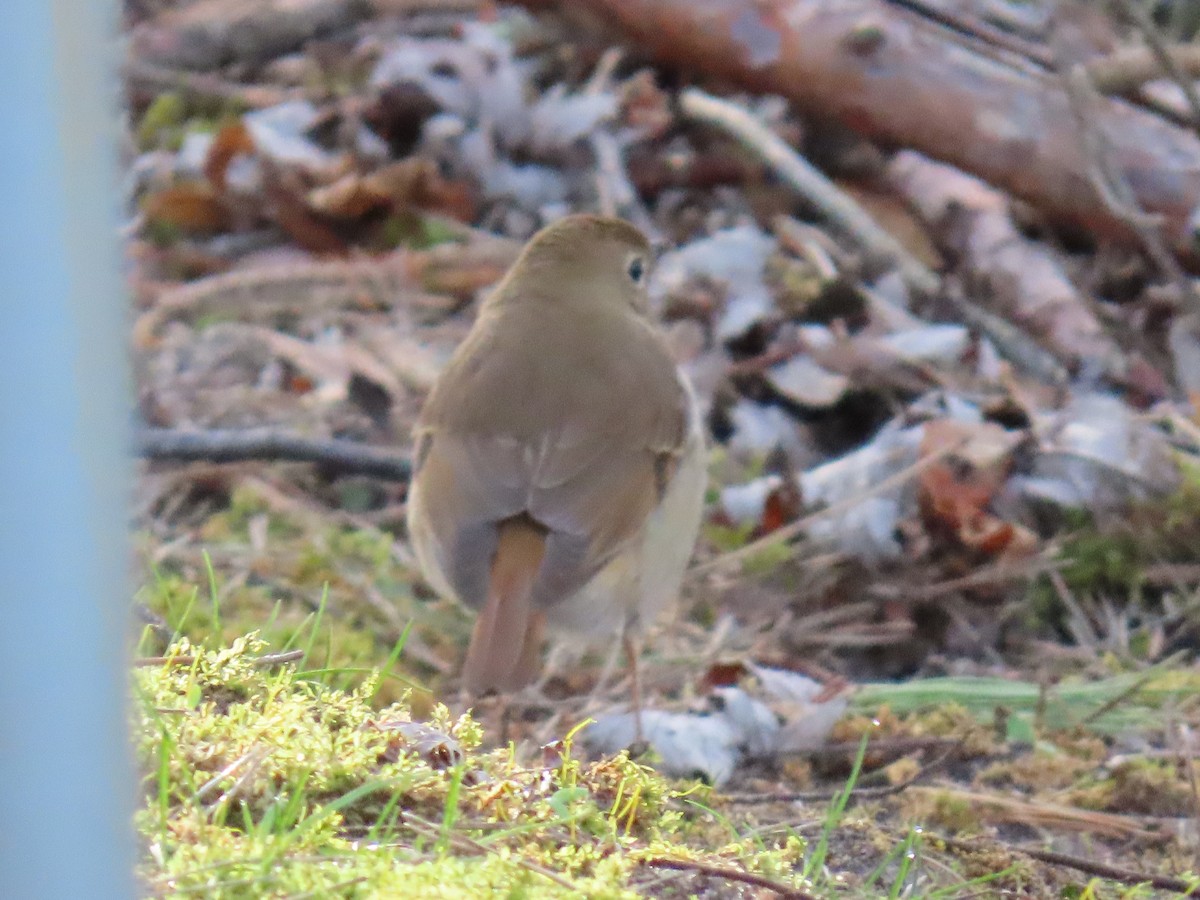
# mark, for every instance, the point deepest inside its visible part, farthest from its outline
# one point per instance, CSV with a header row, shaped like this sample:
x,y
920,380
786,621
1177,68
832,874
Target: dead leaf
x,y
645,106
410,184
771,713
350,197
231,141
803,381
292,214
193,207
956,490
438,749
895,215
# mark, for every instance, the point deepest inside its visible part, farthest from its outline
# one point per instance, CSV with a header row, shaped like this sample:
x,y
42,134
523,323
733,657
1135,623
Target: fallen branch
x,y
224,446
895,76
1023,279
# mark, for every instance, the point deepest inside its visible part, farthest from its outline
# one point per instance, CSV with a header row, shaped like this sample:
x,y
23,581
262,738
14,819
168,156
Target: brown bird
x,y
559,462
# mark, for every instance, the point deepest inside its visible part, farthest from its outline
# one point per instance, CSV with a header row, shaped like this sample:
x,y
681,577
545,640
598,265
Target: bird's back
x,y
577,432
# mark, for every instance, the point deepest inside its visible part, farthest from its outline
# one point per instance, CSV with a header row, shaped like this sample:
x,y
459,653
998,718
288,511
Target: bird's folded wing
x,y
592,488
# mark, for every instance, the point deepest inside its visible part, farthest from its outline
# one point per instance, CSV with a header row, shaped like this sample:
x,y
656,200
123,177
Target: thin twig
x,y
1083,631
154,78
268,659
1045,814
858,793
727,874
1187,756
792,529
842,212
1139,683
1111,183
1170,63
250,763
463,842
1126,69
1088,866
981,35
1010,341
985,576
235,445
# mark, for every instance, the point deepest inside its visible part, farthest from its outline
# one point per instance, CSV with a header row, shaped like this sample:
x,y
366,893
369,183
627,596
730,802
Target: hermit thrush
x,y
559,463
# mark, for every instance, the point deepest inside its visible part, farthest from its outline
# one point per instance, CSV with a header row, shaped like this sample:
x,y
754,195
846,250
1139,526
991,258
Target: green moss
x,y
162,123
1108,558
346,591
1140,787
260,783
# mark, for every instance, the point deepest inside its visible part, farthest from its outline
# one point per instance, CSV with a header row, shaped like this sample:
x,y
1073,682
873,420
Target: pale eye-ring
x,y
636,269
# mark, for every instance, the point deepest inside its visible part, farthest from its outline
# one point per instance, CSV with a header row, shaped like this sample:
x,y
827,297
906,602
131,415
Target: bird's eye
x,y
637,268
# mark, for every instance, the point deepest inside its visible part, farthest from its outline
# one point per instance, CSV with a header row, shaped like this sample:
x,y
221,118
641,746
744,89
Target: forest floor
x,y
940,634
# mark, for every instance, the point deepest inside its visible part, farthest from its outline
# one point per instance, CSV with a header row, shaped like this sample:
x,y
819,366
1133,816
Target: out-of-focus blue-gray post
x,y
65,794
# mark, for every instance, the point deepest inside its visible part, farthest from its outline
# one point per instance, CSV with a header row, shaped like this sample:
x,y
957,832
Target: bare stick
x,y
154,78
235,445
791,530
269,659
1169,62
1113,186
858,793
727,874
1091,867
845,215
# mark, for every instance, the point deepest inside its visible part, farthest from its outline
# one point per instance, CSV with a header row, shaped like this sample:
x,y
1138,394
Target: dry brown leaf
x,y
292,214
955,491
409,184
898,218
350,197
231,141
192,207
416,182
647,107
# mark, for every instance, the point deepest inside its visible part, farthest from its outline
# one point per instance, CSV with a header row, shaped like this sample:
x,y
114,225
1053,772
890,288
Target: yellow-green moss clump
x,y
261,783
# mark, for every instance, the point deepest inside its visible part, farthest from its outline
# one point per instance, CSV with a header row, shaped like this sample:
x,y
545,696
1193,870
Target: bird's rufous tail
x,y
504,653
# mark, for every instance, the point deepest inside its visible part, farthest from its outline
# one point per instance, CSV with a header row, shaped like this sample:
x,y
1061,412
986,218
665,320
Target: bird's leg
x,y
530,662
610,665
633,648
550,670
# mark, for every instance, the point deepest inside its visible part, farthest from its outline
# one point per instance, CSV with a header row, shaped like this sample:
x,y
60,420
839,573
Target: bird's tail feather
x,y
504,651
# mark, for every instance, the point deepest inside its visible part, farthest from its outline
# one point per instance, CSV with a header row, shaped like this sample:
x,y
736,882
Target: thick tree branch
x,y
896,77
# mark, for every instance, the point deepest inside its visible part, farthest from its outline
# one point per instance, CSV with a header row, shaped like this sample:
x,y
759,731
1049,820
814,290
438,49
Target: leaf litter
x,y
965,498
